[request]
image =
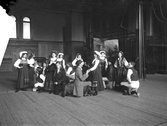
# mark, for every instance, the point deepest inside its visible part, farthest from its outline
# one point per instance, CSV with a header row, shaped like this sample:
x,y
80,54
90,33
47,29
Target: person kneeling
x,y
79,82
132,84
40,80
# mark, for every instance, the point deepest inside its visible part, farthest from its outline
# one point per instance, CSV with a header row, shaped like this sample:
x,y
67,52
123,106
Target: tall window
x,y
13,34
26,28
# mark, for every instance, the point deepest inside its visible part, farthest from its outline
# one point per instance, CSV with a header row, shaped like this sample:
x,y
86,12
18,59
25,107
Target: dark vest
x,y
134,76
38,79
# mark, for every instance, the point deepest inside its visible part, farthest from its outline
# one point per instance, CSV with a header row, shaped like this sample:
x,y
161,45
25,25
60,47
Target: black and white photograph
x,y
83,63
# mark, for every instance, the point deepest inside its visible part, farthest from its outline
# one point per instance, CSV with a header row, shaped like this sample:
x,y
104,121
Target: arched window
x,y
26,28
13,34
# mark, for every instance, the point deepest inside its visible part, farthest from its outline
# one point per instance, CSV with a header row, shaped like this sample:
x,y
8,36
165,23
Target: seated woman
x,y
40,80
79,83
59,79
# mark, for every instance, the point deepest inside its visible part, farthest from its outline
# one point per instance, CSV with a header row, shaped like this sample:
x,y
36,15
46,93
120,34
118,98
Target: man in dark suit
x,y
59,79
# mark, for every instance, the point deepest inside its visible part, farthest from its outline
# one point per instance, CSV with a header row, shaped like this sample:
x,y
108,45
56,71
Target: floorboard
x,y
108,108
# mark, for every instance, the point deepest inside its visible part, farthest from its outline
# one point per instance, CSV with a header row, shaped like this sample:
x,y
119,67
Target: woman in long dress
x,y
95,70
22,65
60,58
104,64
79,82
78,57
120,65
31,70
50,72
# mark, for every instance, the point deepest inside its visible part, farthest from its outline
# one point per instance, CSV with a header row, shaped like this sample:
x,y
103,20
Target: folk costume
x,y
104,64
132,84
96,73
61,60
50,72
120,65
31,70
40,80
22,65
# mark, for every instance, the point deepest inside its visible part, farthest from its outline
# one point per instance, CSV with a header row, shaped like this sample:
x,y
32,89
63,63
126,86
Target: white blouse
x,y
75,60
53,60
31,62
16,64
95,65
63,61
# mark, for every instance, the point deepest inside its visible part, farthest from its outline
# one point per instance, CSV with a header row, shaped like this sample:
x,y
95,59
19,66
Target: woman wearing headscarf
x,y
50,71
95,70
79,82
70,73
60,58
120,65
22,65
78,57
104,64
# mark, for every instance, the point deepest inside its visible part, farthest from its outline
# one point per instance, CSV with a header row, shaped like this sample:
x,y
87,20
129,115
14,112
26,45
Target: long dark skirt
x,y
97,76
59,88
23,78
31,77
49,78
49,81
104,71
111,73
120,75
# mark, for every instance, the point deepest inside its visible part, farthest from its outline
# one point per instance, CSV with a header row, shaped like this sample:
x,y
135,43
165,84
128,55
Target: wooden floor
x,y
108,108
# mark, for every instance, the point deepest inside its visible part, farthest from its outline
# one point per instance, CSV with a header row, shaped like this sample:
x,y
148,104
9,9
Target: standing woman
x,y
22,65
96,73
120,65
60,58
104,64
59,79
50,71
78,57
79,82
70,72
31,70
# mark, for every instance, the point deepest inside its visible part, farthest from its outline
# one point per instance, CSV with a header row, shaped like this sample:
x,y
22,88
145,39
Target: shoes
x,y
138,95
17,90
39,91
86,95
125,92
78,96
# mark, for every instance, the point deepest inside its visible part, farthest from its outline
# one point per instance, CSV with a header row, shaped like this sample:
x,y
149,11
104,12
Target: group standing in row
x,y
54,75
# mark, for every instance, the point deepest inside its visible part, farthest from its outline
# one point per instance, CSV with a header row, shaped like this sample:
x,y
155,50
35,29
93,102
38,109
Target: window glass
x,y
26,28
13,34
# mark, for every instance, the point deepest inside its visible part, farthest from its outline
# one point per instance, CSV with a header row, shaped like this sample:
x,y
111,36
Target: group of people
x,y
55,74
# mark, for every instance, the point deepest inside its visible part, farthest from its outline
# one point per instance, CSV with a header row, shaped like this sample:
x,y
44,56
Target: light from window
x,y
13,34
26,28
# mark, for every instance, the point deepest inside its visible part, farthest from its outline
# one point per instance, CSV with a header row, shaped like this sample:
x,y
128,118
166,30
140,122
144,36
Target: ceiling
x,y
103,6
